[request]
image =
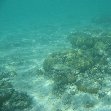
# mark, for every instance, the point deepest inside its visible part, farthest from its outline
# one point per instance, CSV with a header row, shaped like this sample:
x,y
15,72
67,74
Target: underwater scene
x,y
55,55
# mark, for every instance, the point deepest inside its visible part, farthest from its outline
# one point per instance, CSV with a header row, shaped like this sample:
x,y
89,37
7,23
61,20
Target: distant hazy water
x,y
17,12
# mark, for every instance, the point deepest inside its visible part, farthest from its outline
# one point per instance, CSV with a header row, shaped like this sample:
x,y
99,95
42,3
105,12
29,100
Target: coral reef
x,y
10,99
17,101
84,65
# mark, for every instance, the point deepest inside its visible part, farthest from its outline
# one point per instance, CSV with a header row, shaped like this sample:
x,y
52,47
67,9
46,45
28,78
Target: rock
x,y
85,65
18,101
10,99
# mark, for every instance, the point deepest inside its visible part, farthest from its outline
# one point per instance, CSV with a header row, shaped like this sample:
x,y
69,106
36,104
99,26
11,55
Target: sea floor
x,y
23,50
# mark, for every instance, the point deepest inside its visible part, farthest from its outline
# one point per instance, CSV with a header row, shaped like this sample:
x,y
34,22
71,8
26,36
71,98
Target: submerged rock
x,y
10,99
86,41
85,65
6,92
17,101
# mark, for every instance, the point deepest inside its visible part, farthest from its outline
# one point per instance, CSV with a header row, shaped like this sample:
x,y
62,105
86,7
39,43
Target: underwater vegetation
x,y
85,65
10,99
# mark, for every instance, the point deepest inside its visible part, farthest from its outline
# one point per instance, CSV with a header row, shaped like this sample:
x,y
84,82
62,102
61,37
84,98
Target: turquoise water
x,y
31,30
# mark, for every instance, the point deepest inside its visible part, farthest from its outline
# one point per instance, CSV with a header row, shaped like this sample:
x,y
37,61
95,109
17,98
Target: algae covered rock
x,y
70,60
85,65
66,67
88,85
85,41
10,99
17,101
6,88
6,91
81,40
